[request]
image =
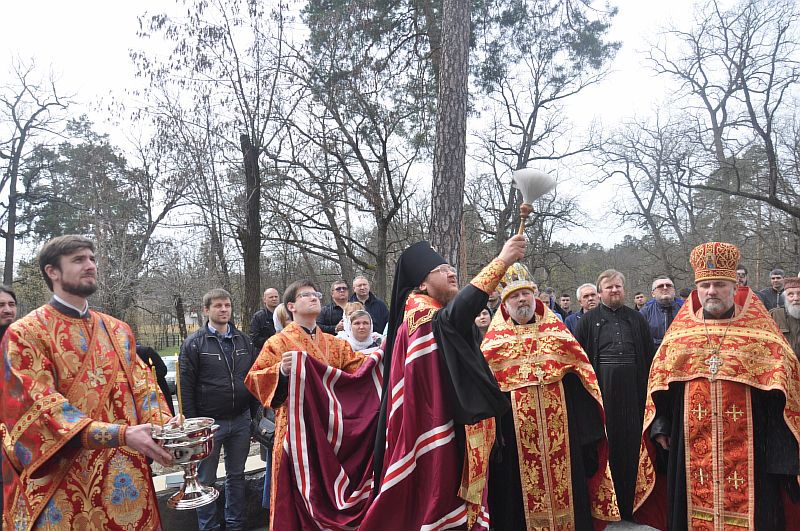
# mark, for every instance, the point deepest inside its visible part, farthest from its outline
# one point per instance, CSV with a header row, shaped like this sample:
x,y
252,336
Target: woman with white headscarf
x,y
358,332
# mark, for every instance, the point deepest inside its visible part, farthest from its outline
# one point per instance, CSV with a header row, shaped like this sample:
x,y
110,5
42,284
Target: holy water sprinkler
x,y
533,184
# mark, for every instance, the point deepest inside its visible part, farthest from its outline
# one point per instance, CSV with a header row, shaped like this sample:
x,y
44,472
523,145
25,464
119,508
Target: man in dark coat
x,y
619,345
662,308
262,326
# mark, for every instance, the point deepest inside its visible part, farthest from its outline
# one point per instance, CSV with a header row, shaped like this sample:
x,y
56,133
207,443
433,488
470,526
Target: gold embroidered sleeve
x,y
98,435
490,276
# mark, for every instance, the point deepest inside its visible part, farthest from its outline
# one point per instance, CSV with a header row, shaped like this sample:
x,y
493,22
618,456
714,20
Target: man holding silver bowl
x,y
77,407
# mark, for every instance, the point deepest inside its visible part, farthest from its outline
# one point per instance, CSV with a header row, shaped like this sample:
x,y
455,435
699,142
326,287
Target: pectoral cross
x,y
699,411
735,413
735,480
540,374
714,363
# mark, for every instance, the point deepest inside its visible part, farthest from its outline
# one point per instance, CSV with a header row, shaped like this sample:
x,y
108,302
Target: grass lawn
x,y
169,351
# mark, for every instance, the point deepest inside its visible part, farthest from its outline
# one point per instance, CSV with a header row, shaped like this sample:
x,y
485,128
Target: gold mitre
x,y
517,277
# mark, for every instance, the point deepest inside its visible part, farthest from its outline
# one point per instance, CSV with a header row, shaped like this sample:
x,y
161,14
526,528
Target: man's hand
x,y
286,363
340,325
663,441
138,438
513,250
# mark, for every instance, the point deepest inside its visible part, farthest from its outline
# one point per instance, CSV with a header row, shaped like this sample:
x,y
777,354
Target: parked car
x,y
170,361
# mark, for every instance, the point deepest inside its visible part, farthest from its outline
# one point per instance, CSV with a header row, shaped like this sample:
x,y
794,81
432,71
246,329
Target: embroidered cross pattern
x,y
735,480
699,411
735,413
701,475
524,371
102,436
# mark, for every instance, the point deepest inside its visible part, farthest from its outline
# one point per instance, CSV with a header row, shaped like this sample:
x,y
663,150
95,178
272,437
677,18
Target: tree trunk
x,y
251,236
11,228
180,313
447,205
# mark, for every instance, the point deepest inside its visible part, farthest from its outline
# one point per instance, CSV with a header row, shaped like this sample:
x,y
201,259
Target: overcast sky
x,y
86,43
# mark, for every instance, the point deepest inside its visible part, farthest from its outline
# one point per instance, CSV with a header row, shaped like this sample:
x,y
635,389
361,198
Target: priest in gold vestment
x,y
544,465
268,377
75,409
722,418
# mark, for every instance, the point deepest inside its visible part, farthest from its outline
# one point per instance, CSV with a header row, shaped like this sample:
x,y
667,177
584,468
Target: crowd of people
x,y
490,406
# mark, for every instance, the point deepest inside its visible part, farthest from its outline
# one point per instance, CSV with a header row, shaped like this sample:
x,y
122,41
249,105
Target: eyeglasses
x,y
310,294
664,286
444,269
340,288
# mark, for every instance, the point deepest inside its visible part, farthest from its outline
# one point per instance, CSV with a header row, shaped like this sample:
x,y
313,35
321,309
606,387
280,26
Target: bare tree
x,y
228,55
29,108
739,68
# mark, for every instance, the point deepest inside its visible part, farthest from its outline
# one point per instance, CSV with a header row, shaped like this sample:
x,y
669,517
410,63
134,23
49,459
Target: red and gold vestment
x,y
530,362
263,378
70,387
715,364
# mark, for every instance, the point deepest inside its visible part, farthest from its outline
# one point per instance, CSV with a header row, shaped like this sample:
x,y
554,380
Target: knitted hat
x,y
714,261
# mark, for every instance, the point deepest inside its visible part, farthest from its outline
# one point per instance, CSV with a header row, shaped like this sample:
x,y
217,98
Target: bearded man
x,y
723,411
537,480
788,317
618,342
77,403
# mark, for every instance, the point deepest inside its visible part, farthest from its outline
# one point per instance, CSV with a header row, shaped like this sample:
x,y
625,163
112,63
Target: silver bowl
x,y
188,446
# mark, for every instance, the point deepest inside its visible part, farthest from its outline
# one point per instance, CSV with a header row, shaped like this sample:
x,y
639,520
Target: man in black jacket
x,y
376,308
213,363
618,342
330,318
262,327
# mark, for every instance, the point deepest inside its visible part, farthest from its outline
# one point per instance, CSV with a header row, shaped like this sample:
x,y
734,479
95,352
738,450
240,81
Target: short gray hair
x,y
587,285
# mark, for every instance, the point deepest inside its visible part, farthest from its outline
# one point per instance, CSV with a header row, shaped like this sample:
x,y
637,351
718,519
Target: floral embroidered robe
x,y
553,471
70,386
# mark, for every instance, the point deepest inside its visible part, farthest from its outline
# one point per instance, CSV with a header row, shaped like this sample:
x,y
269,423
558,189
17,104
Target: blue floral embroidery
x,y
124,489
50,516
84,341
71,413
24,455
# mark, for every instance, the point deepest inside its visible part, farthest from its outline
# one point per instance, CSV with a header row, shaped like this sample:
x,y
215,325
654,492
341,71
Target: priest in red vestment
x,y
268,378
76,406
722,418
544,464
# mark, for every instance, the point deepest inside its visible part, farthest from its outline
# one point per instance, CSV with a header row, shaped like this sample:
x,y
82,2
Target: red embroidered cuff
x,y
490,276
98,435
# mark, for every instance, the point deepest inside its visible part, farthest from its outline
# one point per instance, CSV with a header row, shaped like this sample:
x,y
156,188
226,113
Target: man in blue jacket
x,y
213,363
662,308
